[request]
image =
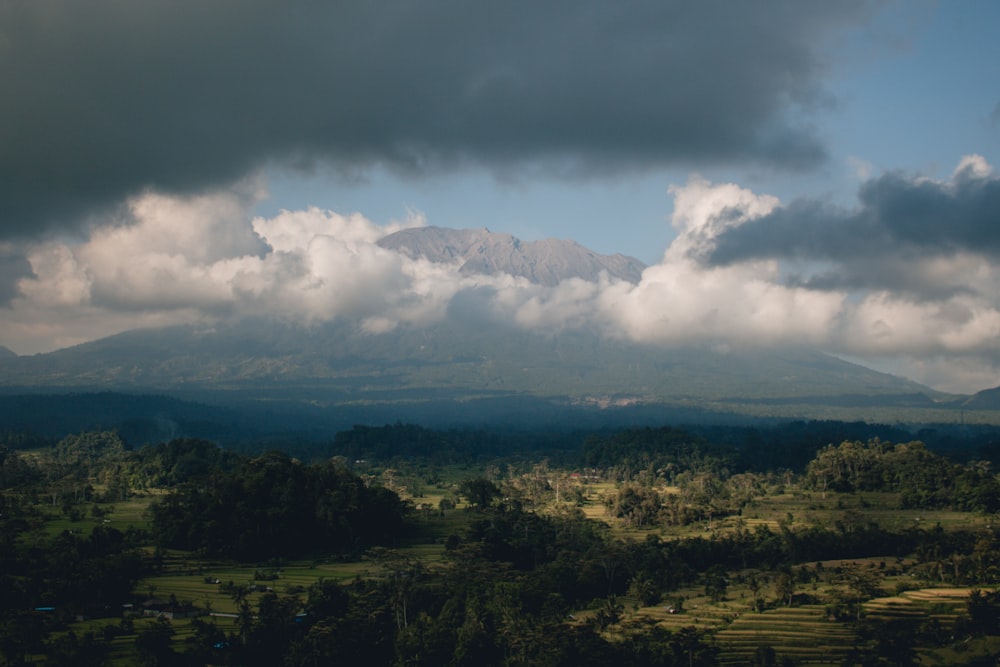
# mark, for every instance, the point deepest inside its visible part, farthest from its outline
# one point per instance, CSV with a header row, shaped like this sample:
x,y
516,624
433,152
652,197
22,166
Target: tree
x,y
85,651
21,632
754,582
644,589
716,583
764,656
327,599
479,492
204,643
609,613
272,631
612,559
894,641
984,612
400,575
784,587
863,583
690,650
153,644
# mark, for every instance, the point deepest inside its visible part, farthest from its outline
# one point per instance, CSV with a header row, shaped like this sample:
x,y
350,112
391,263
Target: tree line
x,y
924,479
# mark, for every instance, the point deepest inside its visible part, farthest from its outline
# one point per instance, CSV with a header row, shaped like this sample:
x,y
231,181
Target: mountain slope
x,y
455,361
987,399
547,262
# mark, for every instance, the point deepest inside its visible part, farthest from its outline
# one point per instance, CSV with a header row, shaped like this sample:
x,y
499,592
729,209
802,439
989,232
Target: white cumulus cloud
x,y
197,258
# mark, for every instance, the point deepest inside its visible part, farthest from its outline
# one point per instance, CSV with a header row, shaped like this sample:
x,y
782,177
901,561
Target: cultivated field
x,y
804,632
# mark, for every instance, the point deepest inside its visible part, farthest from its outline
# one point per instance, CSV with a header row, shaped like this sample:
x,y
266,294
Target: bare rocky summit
x,y
480,251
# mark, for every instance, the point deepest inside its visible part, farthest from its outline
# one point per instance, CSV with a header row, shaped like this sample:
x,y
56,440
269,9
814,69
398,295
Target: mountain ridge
x,y
480,251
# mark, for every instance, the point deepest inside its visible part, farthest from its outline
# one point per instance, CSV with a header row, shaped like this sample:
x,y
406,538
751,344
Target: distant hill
x,y
987,399
480,251
6,353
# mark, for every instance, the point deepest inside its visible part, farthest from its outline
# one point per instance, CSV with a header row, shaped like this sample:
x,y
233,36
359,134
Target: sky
x,y
792,173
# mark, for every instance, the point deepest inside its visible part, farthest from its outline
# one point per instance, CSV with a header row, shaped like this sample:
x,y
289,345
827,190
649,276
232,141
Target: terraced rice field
x,y
801,633
185,578
943,604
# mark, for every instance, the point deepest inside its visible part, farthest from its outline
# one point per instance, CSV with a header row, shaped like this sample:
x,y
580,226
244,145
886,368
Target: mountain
x,y
465,371
6,353
471,368
480,251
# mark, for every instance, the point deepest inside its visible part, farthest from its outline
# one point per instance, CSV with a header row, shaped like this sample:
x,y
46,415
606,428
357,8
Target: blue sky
x,y
818,173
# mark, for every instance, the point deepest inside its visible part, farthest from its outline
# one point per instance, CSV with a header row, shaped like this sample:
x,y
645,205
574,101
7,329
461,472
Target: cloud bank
x,y
104,100
906,277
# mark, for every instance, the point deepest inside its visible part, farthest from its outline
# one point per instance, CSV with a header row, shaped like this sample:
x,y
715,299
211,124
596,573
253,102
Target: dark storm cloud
x,y
13,267
899,221
101,99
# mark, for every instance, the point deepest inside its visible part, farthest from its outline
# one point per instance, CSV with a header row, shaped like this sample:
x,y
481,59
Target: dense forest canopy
x,y
923,478
273,505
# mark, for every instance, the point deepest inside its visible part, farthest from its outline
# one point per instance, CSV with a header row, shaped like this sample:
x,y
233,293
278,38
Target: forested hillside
x,y
401,545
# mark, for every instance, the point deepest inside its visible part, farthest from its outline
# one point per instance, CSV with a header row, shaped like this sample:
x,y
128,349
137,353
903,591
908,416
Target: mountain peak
x,y
480,251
